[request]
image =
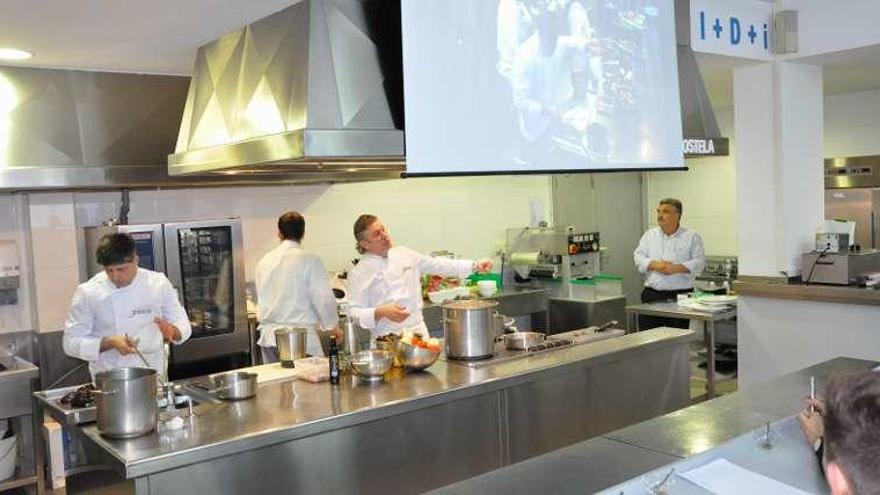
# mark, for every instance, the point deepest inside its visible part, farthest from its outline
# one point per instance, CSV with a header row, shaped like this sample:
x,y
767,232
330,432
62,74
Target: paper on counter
x,y
724,477
707,308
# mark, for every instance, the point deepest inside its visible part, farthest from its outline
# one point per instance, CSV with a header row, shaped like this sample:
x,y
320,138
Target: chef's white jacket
x,y
377,281
683,246
293,290
100,309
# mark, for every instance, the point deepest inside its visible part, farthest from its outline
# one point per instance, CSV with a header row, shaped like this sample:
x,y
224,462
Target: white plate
x,y
718,300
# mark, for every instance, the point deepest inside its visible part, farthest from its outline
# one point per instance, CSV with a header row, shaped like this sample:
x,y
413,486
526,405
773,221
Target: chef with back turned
x,y
293,290
122,309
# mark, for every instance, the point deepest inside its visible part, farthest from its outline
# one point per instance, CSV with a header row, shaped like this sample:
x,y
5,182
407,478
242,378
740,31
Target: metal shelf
x,y
17,481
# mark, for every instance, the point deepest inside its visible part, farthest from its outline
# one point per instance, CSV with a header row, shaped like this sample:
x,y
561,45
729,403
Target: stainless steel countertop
x,y
287,410
674,310
842,294
615,457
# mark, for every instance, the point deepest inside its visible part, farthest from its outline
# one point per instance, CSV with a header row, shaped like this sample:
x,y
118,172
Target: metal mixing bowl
x,y
415,357
372,364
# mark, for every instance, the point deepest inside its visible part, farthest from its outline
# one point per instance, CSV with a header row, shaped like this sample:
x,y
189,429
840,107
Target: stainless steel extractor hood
x,y
702,137
300,91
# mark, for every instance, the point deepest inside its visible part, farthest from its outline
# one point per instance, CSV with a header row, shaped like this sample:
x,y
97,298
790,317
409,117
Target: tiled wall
x,y
56,271
464,215
13,215
707,191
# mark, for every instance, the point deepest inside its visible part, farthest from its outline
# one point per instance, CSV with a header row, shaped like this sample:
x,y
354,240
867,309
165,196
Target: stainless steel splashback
x,y
852,171
61,128
65,129
299,91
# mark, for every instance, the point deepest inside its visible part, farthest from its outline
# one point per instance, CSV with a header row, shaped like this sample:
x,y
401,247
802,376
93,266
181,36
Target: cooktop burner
x,y
553,342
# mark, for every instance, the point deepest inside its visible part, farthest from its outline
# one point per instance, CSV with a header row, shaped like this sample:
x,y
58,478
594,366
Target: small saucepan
x,y
237,385
523,341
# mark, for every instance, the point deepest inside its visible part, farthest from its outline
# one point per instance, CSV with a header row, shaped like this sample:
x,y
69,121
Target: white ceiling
x,y
843,72
161,37
152,36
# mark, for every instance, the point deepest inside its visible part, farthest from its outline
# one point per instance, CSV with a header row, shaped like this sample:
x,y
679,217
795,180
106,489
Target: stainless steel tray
x,y
72,416
63,413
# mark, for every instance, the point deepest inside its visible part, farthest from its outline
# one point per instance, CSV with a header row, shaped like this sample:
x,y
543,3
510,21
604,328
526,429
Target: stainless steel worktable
x,y
615,457
674,310
460,421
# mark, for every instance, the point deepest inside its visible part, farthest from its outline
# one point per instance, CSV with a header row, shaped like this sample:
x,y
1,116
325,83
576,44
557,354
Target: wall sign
x,y
739,28
695,147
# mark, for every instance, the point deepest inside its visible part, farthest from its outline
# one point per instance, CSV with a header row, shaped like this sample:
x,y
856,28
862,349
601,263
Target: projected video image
x,y
575,69
531,85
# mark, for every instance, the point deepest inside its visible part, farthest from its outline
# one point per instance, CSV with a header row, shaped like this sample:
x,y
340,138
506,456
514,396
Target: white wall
x,y
778,336
852,124
465,215
707,191
828,26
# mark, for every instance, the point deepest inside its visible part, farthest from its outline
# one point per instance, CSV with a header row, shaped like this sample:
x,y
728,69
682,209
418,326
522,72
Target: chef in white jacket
x,y
293,290
384,289
122,308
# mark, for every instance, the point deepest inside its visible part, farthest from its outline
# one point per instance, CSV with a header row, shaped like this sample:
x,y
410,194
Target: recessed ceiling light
x,y
14,54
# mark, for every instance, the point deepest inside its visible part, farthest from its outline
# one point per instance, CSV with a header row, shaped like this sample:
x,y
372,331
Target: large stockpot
x,y
126,402
469,328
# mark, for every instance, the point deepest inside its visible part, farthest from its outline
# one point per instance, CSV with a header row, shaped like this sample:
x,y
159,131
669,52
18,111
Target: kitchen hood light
x,y
14,54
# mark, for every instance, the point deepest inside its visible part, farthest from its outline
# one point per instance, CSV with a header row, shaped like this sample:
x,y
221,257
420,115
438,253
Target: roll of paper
x,y
524,258
522,261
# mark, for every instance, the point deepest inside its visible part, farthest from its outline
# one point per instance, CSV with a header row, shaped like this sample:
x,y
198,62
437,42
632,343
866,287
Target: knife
x,y
606,326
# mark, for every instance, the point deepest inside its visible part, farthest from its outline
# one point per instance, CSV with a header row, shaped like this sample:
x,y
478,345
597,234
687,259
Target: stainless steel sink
x,y
16,382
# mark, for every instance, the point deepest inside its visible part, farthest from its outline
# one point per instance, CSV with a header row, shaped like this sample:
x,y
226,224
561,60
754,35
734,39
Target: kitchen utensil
x,y
126,402
415,357
606,326
371,364
503,324
354,338
291,344
469,329
144,360
487,288
658,484
236,385
522,341
765,436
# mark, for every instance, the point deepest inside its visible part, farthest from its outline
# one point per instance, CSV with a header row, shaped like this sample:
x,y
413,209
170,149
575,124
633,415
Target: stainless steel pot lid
x,y
471,304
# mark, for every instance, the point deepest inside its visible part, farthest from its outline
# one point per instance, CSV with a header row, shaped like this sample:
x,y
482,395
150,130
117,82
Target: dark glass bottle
x,y
334,361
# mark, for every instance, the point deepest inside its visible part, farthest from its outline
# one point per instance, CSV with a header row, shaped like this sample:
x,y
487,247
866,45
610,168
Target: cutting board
x,y
271,372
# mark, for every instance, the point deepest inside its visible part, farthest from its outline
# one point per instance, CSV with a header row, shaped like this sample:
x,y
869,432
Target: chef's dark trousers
x,y
650,295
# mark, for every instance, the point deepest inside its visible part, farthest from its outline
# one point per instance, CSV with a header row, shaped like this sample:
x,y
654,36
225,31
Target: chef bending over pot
x,y
121,309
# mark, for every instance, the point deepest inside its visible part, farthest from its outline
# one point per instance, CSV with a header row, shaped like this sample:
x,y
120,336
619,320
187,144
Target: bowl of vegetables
x,y
417,354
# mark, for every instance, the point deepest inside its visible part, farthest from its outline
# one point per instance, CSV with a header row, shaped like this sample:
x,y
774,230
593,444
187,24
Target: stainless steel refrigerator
x,y
861,205
204,261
